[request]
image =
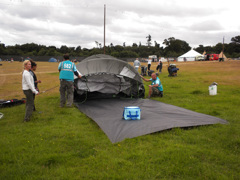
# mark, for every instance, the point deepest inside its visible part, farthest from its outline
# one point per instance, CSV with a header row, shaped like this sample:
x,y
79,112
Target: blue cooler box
x,y
132,113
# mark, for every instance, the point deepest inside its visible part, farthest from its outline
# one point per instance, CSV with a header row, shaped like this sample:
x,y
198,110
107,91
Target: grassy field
x,y
61,143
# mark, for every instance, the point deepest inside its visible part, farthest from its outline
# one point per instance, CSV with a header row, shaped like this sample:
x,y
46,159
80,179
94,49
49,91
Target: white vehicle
x,y
153,57
200,58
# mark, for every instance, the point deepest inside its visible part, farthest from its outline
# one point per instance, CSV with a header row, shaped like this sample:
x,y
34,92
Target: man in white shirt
x,y
149,63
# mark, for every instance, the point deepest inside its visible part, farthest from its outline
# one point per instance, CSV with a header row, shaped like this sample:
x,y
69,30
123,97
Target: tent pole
x,y
223,47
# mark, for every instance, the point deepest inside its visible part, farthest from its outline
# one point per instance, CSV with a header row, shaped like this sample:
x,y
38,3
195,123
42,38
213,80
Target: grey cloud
x,y
210,25
79,18
205,38
28,12
157,8
16,24
77,22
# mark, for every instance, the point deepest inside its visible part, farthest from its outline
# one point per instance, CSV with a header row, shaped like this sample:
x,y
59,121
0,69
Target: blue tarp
x,y
52,60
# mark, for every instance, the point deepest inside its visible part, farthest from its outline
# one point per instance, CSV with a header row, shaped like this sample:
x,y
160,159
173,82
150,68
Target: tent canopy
x,y
104,76
222,55
190,55
52,60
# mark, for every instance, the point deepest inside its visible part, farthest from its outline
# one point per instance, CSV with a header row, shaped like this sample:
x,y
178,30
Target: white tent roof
x,y
190,53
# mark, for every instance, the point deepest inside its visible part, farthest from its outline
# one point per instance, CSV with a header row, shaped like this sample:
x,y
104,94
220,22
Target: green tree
x,y
209,49
172,54
156,44
42,52
200,49
78,49
85,52
11,50
218,48
118,48
115,54
64,49
134,45
128,54
95,51
235,43
29,47
175,46
97,43
236,40
51,52
149,39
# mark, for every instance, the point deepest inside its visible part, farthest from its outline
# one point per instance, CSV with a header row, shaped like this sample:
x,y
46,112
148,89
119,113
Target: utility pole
x,y
223,47
104,25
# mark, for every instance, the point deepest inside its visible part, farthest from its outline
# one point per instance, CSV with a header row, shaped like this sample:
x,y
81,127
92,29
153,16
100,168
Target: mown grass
x,y
61,143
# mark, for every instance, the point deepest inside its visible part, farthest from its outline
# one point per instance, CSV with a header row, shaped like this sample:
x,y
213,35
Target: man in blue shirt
x,y
67,70
156,88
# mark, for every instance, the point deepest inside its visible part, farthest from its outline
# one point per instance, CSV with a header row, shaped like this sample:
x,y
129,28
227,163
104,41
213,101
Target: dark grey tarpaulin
x,y
155,116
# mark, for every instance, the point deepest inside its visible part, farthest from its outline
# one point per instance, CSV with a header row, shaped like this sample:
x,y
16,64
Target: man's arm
x,y
75,71
155,85
147,80
77,74
59,66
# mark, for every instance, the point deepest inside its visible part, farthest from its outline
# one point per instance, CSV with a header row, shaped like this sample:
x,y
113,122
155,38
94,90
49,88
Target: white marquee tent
x,y
190,56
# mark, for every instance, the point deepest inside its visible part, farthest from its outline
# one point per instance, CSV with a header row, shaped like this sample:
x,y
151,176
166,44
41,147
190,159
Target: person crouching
x,y
156,88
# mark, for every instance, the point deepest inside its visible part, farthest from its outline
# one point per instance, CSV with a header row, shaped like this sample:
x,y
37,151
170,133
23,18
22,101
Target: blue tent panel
x,y
52,60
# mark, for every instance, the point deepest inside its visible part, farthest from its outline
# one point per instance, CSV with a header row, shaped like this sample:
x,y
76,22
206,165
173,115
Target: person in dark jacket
x,y
159,66
34,68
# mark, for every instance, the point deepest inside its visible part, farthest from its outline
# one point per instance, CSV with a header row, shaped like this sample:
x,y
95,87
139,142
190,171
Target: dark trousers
x,y
29,104
149,66
34,109
156,92
66,87
160,69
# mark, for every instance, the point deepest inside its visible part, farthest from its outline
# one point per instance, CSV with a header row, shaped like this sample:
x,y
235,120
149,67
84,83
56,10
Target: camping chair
x,y
143,70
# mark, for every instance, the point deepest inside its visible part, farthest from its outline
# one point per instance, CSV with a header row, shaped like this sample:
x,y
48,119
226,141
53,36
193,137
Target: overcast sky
x,y
81,22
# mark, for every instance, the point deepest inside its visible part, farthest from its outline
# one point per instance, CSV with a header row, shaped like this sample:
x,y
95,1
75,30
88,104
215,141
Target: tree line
x,y
172,48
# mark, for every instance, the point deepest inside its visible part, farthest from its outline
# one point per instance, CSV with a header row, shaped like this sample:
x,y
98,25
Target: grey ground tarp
x,y
155,116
